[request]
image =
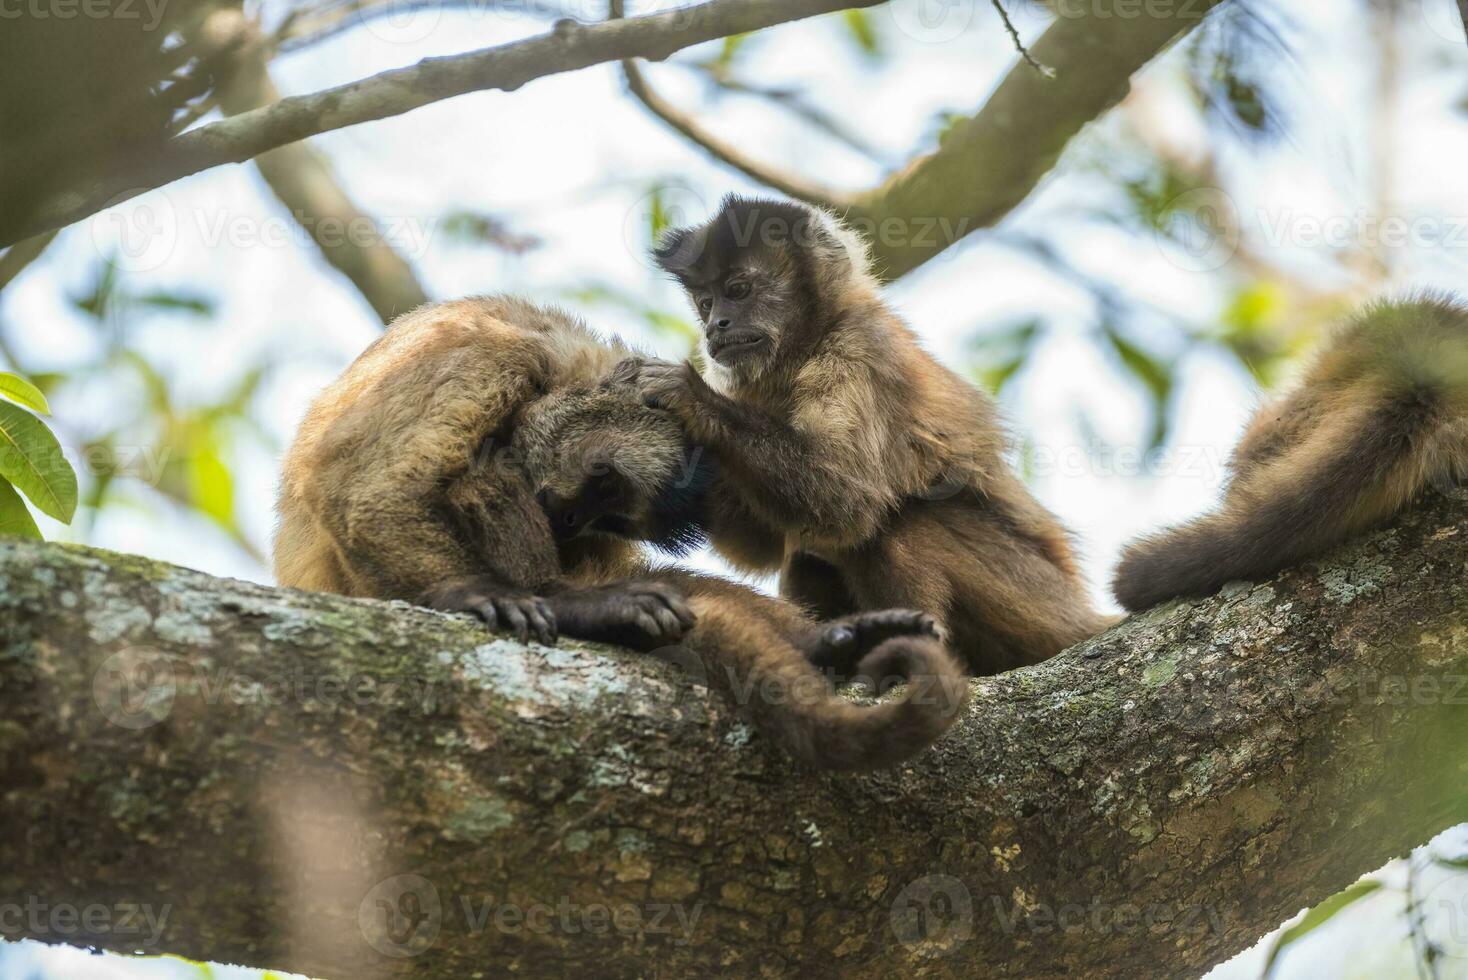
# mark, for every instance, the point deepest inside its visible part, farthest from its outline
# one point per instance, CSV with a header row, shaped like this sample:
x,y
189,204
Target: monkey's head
x,y
603,463
764,277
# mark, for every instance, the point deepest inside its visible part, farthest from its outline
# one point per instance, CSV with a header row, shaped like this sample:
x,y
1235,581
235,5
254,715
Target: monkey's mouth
x,y
733,347
614,524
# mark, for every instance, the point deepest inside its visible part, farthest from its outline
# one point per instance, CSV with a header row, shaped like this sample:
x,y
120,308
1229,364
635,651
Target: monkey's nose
x,y
722,324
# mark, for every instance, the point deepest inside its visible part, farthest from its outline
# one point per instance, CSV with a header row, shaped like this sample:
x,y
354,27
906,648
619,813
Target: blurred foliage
x,y
159,446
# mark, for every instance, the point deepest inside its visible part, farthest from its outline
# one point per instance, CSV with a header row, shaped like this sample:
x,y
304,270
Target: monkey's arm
x,y
832,485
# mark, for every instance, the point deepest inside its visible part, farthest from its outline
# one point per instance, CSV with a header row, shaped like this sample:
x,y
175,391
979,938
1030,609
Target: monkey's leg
x,y
1000,598
815,584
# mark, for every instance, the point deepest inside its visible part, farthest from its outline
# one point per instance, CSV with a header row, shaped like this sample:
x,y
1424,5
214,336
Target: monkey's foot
x,y
844,641
641,615
501,609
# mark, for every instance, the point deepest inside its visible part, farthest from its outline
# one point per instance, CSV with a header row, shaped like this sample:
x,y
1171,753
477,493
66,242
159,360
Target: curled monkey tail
x,y
1382,414
792,703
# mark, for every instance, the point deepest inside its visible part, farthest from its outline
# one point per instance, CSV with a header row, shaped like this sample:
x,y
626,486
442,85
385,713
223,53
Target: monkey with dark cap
x,y
869,473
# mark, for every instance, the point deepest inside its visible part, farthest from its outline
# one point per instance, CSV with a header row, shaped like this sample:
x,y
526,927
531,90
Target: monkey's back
x,y
411,412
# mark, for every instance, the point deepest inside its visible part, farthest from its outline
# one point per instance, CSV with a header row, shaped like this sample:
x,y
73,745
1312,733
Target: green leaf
x,y
30,458
859,24
15,520
1155,375
22,392
211,487
180,302
1319,916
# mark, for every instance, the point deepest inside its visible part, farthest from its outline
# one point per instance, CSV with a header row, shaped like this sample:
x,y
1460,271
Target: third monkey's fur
x,y
1381,414
475,458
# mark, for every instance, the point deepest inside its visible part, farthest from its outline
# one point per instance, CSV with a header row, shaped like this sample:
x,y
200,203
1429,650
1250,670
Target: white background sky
x,y
570,159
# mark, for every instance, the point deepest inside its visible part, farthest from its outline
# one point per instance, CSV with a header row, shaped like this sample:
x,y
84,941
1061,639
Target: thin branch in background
x,y
791,101
1424,950
302,180
789,184
20,255
1019,45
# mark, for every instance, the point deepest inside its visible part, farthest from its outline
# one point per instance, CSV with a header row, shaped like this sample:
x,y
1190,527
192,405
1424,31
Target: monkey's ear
x,y
841,249
677,251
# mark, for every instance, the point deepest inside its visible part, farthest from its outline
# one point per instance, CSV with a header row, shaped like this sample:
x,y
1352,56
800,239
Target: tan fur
x,y
1382,413
419,475
864,454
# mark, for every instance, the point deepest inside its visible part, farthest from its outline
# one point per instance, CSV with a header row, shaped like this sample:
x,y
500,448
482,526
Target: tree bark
x,y
360,789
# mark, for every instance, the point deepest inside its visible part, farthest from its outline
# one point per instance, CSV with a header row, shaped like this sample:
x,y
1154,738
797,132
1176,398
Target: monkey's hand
x,y
640,615
662,384
840,643
501,608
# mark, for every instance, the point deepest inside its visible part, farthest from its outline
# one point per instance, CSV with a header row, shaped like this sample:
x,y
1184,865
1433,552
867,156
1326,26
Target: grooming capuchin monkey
x,y
477,458
870,474
1381,414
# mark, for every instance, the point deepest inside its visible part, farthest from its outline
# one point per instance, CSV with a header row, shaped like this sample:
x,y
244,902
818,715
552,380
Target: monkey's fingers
x,y
514,619
542,620
672,600
863,631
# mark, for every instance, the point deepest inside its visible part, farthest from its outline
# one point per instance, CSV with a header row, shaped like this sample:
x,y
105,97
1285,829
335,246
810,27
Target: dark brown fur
x,y
864,469
1381,414
473,459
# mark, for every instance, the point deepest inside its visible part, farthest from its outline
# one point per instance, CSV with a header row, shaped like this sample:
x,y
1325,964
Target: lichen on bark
x,y
358,789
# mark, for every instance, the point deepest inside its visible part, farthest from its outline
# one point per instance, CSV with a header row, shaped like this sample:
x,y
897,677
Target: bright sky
x,y
570,160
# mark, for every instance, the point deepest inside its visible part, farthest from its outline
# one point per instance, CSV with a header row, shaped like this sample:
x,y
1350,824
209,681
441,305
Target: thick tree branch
x,y
351,240
568,47
328,786
989,163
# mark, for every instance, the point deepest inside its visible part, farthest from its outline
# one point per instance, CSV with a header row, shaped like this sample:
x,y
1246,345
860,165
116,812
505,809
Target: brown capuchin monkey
x,y
1380,415
867,472
476,458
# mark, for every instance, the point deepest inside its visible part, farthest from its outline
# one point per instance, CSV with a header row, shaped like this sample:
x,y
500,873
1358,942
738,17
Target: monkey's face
x,y
603,463
750,273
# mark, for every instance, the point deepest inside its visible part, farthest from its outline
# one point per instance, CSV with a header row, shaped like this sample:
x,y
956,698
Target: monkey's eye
x,y
738,289
705,303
